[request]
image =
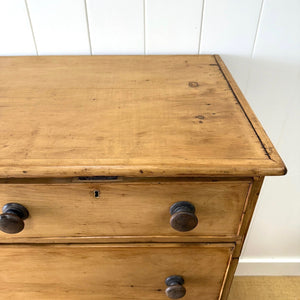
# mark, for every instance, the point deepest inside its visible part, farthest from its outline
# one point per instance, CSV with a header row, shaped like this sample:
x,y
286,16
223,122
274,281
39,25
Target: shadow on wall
x,y
272,87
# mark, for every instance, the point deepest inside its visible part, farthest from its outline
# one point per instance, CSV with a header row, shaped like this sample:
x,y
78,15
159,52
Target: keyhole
x,y
96,194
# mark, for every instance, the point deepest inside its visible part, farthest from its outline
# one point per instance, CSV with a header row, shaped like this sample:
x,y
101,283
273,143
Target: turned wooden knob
x,y
11,221
175,288
183,216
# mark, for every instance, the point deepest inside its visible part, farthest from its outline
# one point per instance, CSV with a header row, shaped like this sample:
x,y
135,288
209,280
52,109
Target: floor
x,y
265,288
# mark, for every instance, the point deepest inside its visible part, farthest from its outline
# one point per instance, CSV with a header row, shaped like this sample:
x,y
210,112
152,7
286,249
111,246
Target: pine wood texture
x,y
265,288
126,209
111,272
170,128
247,216
229,278
245,223
127,116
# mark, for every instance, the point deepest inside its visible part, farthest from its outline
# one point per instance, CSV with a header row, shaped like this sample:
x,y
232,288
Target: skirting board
x,y
268,267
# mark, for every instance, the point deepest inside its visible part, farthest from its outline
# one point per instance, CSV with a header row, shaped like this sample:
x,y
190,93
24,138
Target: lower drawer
x,y
119,271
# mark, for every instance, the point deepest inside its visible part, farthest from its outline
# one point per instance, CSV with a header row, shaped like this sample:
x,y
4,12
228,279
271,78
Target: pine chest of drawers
x,y
130,177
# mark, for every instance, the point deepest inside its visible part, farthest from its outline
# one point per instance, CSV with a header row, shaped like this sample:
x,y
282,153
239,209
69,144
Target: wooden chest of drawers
x,y
130,177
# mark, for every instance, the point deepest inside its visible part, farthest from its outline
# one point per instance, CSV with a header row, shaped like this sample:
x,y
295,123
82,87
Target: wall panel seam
x,y
201,26
144,16
31,27
254,45
88,26
257,28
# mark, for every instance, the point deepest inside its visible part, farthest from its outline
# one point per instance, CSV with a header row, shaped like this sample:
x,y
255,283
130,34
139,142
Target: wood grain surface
x,y
126,208
111,272
127,115
172,128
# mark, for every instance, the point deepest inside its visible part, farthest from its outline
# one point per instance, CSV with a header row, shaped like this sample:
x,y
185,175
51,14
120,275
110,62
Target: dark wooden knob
x,y
183,216
11,221
175,288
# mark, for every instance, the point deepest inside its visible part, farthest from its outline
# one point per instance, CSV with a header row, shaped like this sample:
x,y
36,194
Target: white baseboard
x,y
268,267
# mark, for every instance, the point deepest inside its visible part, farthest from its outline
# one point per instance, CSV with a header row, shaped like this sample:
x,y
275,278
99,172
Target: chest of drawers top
x,y
131,116
136,175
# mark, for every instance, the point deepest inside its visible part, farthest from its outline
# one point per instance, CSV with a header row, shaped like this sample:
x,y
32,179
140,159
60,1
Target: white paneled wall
x,y
59,26
276,60
116,26
172,26
259,41
273,90
229,27
15,32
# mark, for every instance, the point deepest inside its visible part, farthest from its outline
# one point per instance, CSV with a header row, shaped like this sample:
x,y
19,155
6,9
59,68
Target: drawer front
x,y
125,209
111,272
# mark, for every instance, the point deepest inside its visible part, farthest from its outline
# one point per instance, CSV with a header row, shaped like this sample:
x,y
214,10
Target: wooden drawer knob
x,y
183,216
11,221
175,288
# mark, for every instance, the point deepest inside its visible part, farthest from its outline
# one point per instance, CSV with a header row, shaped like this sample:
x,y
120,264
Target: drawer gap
x,y
95,178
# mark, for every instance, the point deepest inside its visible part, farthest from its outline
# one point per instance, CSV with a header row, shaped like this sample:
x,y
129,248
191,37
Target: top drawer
x,y
126,209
